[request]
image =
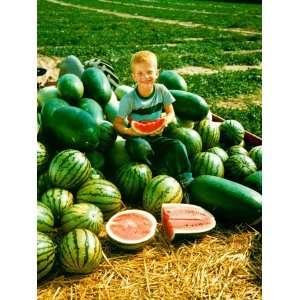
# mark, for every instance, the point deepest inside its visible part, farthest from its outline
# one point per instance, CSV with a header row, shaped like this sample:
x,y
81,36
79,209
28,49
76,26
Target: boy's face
x,y
145,74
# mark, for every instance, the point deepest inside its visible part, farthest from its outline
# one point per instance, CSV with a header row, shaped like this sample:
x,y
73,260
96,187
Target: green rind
x,y
46,254
82,215
189,137
209,132
70,88
80,251
189,106
228,201
231,132
45,218
43,184
237,149
239,166
132,179
93,108
72,127
172,80
69,169
96,85
57,200
107,136
254,181
207,163
42,157
104,194
161,189
256,154
220,152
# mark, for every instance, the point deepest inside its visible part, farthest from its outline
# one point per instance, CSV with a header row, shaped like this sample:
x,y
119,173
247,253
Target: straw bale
x,y
223,264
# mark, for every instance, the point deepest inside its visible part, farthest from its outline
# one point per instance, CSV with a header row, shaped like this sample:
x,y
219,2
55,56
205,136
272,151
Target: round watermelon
x,y
207,163
82,215
80,251
69,169
256,154
132,179
231,132
238,167
45,218
161,189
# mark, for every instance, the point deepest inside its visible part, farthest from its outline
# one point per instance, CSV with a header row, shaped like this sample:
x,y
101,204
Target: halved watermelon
x,y
185,220
131,229
148,127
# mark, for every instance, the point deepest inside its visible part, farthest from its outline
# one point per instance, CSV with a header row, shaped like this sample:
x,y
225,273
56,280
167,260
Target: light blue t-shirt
x,y
139,108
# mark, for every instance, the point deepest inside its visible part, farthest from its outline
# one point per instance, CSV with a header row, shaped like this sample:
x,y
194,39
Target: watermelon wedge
x,y
185,220
131,229
148,127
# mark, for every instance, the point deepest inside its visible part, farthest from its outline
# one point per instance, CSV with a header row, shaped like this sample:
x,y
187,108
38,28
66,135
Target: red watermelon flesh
x,y
148,127
185,219
131,227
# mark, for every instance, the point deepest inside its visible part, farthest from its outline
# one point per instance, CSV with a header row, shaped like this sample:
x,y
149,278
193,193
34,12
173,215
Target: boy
x,y
147,102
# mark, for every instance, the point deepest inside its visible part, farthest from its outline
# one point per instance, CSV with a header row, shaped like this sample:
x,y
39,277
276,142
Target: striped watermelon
x,y
231,132
43,184
102,193
256,154
42,157
237,149
209,132
45,218
46,250
220,152
161,189
239,166
132,179
57,199
80,251
207,163
131,229
69,169
82,215
108,136
189,137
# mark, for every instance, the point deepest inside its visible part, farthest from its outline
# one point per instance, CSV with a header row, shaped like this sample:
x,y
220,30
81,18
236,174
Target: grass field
x,y
215,39
223,40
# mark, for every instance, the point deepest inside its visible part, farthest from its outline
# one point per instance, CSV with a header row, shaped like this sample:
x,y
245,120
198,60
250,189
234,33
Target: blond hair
x,y
143,56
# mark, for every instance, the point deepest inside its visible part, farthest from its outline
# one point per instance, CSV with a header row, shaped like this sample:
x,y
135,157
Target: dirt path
x,y
194,11
165,21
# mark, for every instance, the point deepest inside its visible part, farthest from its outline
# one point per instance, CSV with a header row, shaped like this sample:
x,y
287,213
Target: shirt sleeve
x,y
125,107
167,96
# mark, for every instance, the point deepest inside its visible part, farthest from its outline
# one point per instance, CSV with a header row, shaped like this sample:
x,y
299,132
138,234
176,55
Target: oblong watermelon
x,y
131,229
139,150
93,108
96,85
185,220
172,80
189,106
229,201
70,88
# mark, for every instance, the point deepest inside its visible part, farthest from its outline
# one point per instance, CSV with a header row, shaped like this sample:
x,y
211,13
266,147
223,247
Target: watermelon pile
x,y
91,180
